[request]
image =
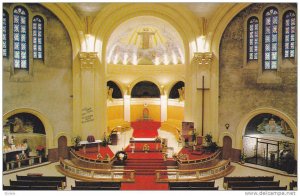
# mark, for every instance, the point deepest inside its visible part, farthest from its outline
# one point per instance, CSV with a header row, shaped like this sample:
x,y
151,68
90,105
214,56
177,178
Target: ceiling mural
x,y
145,40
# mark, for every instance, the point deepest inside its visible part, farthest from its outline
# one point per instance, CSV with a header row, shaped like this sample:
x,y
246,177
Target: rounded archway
x,y
46,123
145,89
175,90
114,90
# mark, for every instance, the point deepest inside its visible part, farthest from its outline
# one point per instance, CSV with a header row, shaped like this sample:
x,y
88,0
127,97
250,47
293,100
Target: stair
x,y
145,166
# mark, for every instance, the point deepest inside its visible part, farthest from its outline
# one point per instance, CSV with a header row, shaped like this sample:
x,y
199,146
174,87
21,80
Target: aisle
x,y
144,163
145,129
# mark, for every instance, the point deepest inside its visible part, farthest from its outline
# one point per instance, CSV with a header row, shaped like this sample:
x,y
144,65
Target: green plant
x,y
76,141
243,157
208,138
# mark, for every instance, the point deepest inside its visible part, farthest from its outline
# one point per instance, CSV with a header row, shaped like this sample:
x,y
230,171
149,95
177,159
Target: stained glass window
x,y
270,41
5,34
38,37
252,38
289,34
20,32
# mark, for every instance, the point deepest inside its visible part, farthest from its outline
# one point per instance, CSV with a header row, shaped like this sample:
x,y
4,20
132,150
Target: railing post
x,y
132,175
92,174
177,175
157,176
197,174
112,175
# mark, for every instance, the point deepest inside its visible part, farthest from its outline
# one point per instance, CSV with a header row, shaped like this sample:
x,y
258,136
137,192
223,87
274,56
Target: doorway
x,y
62,147
227,147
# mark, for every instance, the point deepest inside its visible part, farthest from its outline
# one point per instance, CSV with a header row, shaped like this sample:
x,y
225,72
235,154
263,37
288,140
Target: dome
x,y
145,40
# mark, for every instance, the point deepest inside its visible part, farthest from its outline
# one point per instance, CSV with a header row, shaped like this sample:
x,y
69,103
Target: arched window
x,y
20,38
38,37
270,38
253,38
5,34
289,34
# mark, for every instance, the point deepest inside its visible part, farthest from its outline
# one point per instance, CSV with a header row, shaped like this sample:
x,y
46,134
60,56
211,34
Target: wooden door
x,y
62,147
227,147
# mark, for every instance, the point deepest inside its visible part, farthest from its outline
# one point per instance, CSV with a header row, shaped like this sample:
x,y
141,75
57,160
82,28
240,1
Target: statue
x,y
181,94
109,93
18,125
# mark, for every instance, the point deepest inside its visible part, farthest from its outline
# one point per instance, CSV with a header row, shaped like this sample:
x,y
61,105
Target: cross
x,y
146,34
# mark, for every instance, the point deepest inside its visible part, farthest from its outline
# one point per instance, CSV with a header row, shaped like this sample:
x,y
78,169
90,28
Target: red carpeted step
x,y
144,182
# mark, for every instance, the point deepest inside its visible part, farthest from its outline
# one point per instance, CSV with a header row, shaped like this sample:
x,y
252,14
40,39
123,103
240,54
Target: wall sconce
x,y
227,126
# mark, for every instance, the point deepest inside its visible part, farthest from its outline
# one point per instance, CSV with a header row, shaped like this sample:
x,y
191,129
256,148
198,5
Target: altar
x,y
87,143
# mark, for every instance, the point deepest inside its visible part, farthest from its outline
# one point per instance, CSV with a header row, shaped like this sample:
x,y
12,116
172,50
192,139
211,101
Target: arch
x,y
38,35
173,93
43,118
117,93
227,147
62,147
67,135
240,130
186,24
150,79
73,24
145,89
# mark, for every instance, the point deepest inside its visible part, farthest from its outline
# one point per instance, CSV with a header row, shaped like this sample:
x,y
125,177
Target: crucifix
x,y
202,128
146,35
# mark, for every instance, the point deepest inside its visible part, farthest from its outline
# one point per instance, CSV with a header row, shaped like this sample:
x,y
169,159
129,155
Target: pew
x,y
194,188
192,184
30,188
293,184
63,179
273,188
93,188
36,183
253,188
246,178
98,184
252,183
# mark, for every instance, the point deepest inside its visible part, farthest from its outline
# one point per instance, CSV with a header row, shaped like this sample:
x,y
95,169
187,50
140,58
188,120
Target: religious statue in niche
x,y
181,94
109,93
145,112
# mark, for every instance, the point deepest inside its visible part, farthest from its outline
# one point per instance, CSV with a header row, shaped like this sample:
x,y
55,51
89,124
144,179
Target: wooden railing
x,y
90,163
88,174
171,175
210,158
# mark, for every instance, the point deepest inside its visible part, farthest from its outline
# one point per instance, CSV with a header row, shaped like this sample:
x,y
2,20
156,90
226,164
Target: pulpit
x,y
114,138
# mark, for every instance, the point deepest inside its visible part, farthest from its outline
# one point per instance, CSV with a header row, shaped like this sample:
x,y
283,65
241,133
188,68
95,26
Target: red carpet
x,y
145,165
92,152
145,183
145,129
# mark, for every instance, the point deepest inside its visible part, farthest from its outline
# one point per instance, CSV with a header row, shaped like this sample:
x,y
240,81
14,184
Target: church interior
x,y
149,96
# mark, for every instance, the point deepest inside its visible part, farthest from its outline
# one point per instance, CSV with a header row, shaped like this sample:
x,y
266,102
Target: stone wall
x,y
244,86
47,86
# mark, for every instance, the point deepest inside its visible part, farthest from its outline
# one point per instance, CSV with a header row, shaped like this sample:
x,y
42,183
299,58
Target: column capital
x,y
87,59
202,58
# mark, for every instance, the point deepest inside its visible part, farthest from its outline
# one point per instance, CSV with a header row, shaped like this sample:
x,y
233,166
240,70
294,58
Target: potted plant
x,y
210,145
243,157
76,142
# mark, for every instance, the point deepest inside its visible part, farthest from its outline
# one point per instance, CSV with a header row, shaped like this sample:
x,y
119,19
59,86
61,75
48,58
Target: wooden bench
x,y
93,188
252,183
30,187
98,184
293,184
246,178
11,164
273,188
36,183
192,184
37,178
194,188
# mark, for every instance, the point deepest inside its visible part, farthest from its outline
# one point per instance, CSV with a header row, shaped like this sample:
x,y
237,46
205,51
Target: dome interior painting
x,y
145,40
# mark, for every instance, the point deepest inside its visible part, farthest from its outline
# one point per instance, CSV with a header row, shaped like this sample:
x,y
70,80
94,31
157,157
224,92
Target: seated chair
x,y
198,143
